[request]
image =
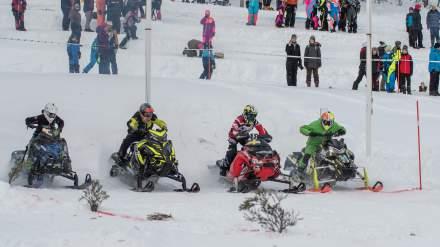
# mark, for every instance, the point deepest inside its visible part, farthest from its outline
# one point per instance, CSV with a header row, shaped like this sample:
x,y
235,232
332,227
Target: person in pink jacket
x,y
18,9
208,28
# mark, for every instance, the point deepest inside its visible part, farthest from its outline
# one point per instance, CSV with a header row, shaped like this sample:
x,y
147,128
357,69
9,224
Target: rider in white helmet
x,y
47,119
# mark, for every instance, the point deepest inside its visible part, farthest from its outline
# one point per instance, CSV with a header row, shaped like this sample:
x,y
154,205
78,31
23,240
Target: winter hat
x,y
417,7
437,45
405,47
388,48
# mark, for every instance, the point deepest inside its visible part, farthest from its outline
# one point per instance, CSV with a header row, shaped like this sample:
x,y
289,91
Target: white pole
x,y
369,98
148,52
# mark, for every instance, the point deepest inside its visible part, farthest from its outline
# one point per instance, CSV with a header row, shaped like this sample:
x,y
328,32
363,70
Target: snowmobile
x,y
150,159
333,163
260,164
46,155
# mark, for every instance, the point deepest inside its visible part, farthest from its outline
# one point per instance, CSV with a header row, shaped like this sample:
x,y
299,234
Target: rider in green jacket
x,y
318,132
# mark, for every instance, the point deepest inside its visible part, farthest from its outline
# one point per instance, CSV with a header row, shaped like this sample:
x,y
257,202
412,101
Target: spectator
x,y
417,27
291,6
114,12
114,45
208,28
88,7
292,63
208,62
434,69
312,61
405,71
409,26
104,49
343,16
253,8
353,8
93,56
155,10
18,9
142,4
375,68
130,20
433,24
381,51
75,21
386,63
66,6
74,53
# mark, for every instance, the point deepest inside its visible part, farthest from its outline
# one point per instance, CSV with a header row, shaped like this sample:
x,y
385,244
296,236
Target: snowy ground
x,y
199,114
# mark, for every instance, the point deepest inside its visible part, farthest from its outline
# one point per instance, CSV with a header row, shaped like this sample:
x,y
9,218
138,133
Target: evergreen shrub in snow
x,y
94,195
265,209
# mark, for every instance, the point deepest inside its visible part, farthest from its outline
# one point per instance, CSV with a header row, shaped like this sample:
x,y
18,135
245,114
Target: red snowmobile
x,y
257,163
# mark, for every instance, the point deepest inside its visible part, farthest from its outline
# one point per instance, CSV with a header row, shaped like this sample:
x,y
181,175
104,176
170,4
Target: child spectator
x,y
254,6
405,71
208,62
74,53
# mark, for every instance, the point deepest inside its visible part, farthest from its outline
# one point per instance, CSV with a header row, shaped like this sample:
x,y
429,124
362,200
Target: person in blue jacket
x,y
434,69
254,6
208,62
74,53
93,56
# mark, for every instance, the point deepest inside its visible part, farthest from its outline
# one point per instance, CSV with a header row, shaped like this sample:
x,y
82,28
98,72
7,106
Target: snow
x,y
199,114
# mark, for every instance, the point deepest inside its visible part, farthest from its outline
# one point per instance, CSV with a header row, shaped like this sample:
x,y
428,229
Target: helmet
x,y
146,109
250,113
50,112
327,120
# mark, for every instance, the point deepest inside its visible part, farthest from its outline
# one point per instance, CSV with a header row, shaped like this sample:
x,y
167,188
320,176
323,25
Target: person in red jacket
x,y
405,71
18,9
239,133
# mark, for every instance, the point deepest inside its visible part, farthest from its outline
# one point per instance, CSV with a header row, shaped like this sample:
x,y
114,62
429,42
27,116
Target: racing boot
x,y
224,167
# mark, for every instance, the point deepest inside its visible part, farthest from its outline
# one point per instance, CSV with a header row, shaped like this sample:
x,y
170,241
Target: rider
x,y
238,133
318,131
138,125
49,122
47,119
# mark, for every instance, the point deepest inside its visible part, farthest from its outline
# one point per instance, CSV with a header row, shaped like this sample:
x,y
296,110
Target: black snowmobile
x,y
46,156
333,163
150,159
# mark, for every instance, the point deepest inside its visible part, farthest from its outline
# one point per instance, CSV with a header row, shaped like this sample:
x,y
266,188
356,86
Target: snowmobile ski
x,y
87,183
301,187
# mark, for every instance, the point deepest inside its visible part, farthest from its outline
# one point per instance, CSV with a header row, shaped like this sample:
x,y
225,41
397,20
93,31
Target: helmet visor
x,y
327,124
250,117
